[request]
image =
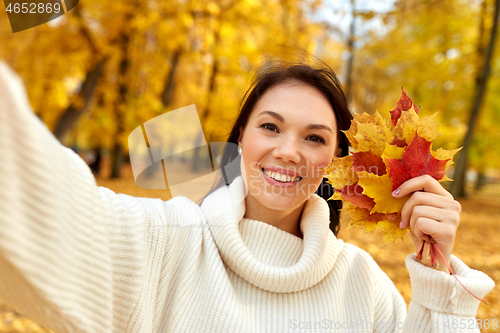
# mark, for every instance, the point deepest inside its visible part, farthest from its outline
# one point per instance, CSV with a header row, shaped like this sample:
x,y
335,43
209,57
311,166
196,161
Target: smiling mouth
x,y
281,177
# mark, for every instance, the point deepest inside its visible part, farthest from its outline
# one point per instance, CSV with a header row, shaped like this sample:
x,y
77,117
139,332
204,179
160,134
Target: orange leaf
x,y
354,194
368,161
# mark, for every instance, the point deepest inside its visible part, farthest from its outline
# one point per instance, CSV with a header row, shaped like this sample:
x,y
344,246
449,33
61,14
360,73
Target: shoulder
x,y
182,207
353,252
357,260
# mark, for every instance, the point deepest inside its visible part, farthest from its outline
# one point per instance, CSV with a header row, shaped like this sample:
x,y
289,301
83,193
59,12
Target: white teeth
x,y
281,177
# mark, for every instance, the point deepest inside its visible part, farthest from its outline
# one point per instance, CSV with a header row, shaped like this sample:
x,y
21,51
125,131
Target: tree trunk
x,y
73,112
117,154
457,188
167,94
206,110
117,160
481,180
95,165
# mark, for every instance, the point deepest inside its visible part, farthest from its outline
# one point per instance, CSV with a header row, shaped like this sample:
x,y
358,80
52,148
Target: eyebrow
x,y
309,127
274,114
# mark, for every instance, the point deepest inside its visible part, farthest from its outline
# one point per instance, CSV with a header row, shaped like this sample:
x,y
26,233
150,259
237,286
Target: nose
x,y
288,150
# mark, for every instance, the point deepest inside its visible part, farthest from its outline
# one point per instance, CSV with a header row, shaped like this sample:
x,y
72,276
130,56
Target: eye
x,y
270,127
317,138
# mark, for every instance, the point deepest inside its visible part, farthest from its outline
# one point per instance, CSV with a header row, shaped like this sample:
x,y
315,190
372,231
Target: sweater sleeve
x,y
439,302
71,253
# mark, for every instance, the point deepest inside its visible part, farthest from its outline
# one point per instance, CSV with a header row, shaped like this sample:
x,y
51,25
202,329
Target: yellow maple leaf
x,y
407,123
360,220
339,172
427,128
442,154
392,151
391,231
379,188
358,217
410,122
369,132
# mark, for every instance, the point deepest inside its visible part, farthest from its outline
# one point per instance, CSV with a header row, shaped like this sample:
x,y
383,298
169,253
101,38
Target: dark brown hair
x,y
325,80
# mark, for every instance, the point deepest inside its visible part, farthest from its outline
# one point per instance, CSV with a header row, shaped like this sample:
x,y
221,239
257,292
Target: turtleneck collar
x,y
245,248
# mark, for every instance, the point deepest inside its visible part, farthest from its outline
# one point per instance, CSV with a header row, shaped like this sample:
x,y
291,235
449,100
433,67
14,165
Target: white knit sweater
x,y
79,258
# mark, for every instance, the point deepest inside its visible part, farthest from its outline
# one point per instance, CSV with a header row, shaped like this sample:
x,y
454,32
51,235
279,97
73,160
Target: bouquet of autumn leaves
x,y
385,155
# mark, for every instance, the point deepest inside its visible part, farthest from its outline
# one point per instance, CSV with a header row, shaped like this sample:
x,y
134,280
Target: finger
x,y
415,227
426,199
423,227
433,213
423,183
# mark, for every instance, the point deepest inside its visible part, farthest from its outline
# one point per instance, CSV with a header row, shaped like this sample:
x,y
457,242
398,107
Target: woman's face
x,y
291,133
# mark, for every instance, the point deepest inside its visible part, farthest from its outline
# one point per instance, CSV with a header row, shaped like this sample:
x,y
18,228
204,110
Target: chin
x,y
281,199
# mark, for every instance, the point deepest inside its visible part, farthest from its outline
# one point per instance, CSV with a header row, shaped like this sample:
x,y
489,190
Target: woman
x,y
256,256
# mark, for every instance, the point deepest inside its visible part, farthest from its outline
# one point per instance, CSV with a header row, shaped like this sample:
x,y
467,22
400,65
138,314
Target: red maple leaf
x,y
417,160
354,194
368,161
404,104
398,142
376,217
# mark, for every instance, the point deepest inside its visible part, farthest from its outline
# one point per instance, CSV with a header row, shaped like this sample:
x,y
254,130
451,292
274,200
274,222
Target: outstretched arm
x,y
63,259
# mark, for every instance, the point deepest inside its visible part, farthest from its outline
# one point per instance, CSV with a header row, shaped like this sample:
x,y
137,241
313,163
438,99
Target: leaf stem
x,y
434,249
419,255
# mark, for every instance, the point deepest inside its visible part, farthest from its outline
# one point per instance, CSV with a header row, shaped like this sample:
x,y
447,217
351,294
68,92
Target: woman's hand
x,y
430,211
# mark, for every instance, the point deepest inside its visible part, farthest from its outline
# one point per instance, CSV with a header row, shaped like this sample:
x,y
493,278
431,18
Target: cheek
x,y
255,150
318,162
251,157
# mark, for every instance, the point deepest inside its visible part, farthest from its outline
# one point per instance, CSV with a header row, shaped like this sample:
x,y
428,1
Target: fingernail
x,y
401,225
395,193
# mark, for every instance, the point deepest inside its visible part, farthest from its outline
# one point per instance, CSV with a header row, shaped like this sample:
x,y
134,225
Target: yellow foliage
x,y
369,132
410,123
391,231
339,173
392,151
379,188
358,217
442,154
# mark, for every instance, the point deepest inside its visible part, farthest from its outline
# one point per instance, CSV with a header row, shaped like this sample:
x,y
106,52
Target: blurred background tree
x,y
105,68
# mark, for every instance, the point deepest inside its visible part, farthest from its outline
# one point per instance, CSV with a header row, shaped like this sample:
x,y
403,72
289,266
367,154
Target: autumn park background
x,y
104,68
